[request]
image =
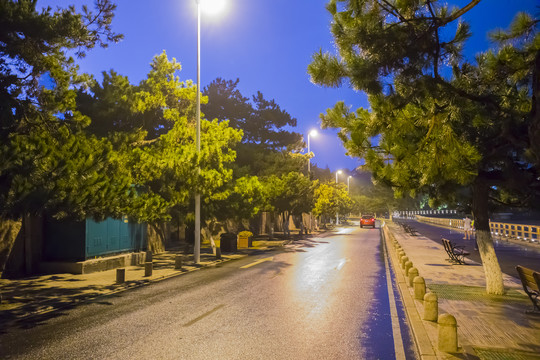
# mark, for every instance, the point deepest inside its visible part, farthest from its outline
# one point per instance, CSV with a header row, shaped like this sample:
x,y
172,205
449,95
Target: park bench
x,y
530,280
410,230
455,253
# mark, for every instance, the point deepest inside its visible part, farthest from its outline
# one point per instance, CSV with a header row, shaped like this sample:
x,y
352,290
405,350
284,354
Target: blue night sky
x,y
267,44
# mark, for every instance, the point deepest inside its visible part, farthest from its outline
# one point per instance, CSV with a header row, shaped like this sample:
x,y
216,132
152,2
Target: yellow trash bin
x,y
244,239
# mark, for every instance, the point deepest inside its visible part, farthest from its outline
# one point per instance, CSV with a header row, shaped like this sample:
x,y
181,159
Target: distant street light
x,y
311,133
209,6
348,186
337,214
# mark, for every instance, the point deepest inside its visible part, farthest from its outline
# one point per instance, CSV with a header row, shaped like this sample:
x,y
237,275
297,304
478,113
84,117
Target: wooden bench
x,y
456,254
530,280
410,230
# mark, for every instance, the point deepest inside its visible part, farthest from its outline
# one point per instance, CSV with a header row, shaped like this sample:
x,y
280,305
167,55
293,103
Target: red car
x,y
367,220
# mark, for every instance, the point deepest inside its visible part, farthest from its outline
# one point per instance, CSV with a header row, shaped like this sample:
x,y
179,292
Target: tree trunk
x,y
534,127
492,269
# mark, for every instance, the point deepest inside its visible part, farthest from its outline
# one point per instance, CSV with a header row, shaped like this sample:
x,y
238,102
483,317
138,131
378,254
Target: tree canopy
x,y
267,148
437,122
73,147
47,161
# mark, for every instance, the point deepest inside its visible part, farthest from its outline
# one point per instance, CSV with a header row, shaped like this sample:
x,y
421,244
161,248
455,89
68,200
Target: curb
x,y
425,348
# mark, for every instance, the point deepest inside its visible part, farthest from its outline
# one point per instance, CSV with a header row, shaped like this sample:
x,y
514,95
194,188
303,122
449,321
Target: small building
x,y
82,247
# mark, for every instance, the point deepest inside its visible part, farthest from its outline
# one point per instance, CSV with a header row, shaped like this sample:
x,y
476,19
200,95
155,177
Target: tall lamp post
x,y
348,184
311,133
337,213
209,6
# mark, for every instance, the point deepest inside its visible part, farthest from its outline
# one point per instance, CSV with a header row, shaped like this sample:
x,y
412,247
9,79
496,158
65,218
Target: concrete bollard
x,y
148,266
431,307
447,337
408,266
413,272
404,259
419,286
148,257
120,276
178,262
218,253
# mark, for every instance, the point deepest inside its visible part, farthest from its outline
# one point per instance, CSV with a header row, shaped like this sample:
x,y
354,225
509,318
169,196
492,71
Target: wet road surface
x,y
510,254
324,298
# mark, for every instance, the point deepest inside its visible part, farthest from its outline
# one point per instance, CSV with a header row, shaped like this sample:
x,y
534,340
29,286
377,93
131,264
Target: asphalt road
x,y
323,298
510,254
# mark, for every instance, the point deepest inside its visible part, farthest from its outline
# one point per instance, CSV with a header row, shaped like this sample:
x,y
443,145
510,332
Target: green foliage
x,y
330,199
236,200
34,45
424,132
291,193
266,147
76,148
48,163
166,168
152,106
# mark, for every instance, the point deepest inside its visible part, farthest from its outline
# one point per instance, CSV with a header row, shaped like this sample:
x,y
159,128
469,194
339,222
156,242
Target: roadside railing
x,y
455,223
524,232
516,231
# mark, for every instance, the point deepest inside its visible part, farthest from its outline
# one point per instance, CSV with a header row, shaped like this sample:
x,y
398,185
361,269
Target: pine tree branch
x,y
476,98
460,12
518,204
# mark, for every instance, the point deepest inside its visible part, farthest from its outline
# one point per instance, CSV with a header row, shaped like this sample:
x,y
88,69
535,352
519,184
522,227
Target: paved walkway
x,y
489,327
21,298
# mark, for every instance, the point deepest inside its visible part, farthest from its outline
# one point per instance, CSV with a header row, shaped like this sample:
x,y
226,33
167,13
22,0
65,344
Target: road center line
x,y
203,315
257,262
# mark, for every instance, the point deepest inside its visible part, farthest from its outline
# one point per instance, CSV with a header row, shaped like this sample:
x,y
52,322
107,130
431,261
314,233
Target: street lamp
x,y
210,6
348,186
337,214
311,133
338,172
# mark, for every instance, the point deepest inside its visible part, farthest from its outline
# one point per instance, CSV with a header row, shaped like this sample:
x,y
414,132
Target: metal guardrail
x,y
529,233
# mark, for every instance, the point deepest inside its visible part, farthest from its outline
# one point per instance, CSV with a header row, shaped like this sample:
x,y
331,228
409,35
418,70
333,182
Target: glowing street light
x,y
311,133
211,7
338,172
348,185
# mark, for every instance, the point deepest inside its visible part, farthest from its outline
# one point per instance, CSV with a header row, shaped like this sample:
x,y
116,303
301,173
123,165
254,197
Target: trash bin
x,y
228,242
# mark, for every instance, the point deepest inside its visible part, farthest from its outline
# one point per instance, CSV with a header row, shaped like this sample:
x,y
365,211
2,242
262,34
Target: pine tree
x,y
437,123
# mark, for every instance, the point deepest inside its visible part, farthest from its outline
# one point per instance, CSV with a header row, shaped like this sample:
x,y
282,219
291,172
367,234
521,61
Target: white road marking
x,y
257,262
399,348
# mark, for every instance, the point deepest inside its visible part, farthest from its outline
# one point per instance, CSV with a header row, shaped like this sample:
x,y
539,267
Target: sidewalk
x,y
39,295
489,326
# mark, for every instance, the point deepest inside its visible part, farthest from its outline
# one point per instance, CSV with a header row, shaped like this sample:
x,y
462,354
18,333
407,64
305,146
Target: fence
x,y
523,232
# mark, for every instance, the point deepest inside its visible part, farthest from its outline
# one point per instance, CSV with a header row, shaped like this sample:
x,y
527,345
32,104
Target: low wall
x,y
93,265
